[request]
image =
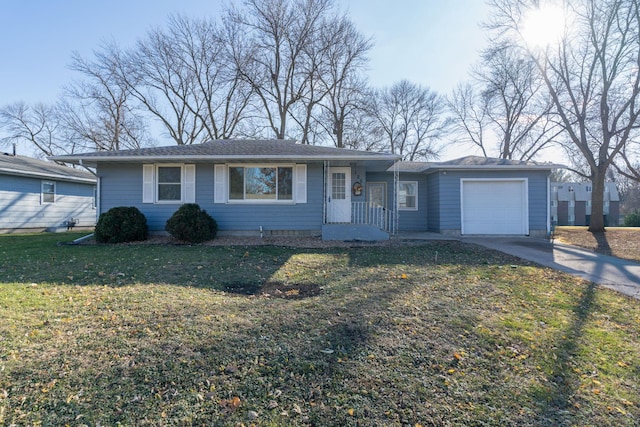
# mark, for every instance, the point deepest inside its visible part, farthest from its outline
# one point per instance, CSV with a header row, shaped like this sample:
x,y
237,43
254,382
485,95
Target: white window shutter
x,y
189,183
220,184
300,178
147,183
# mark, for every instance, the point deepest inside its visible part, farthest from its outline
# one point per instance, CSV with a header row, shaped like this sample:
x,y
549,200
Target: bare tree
x,y
470,120
271,49
39,126
346,58
592,76
505,105
412,119
97,110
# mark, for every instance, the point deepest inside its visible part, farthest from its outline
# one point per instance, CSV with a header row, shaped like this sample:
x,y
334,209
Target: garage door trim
x,y
525,199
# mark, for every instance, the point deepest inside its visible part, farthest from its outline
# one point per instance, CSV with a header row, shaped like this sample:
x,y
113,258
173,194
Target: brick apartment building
x,y
571,203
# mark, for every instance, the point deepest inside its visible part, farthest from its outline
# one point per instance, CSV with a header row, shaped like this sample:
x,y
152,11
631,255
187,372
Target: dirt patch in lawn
x,y
273,289
621,242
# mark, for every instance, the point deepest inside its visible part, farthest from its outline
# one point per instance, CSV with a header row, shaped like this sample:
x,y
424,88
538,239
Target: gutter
x,y
80,160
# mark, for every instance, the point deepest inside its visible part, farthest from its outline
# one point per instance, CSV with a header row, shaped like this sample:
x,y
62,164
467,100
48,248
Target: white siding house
x,y
37,195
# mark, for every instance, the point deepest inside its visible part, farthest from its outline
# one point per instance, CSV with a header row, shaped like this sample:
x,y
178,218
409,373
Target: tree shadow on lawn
x,y
305,355
557,399
283,351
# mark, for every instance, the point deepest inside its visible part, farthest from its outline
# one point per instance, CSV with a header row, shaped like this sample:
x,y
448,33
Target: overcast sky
x,y
430,42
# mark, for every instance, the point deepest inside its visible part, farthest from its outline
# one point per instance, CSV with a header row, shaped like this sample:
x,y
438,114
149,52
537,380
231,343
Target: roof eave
x,y
58,177
96,159
490,167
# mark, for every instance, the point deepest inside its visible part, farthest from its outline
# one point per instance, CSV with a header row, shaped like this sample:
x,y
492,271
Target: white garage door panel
x,y
494,207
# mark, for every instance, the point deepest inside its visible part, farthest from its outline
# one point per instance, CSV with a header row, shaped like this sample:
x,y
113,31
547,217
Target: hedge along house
x,y
36,195
250,187
276,187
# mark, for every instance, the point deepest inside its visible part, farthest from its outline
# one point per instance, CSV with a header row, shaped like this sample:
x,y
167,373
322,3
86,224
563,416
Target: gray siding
x,y
122,186
20,206
407,220
449,188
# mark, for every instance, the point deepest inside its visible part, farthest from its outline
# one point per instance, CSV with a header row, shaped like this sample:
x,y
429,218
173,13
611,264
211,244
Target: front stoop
x,y
357,232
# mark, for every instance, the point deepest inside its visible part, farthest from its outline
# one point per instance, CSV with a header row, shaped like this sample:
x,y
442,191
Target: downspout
x,y
396,210
325,178
549,206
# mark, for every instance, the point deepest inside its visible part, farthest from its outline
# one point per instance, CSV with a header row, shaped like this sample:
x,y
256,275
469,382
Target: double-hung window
x,y
257,184
168,183
48,189
408,195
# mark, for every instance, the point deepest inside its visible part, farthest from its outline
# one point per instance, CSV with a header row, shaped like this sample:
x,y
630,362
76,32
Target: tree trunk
x,y
597,198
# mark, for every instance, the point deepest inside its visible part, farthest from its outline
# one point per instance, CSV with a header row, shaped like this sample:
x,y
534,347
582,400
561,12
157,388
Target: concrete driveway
x,y
614,273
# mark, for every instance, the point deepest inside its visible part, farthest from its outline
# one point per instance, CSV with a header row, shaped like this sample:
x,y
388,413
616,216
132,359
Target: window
x,y
95,197
588,203
408,195
165,183
274,183
588,188
169,183
554,203
48,192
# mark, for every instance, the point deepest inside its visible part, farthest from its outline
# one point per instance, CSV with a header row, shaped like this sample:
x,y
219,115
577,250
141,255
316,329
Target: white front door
x,y
339,195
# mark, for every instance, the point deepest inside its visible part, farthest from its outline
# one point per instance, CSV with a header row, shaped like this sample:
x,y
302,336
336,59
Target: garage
x,y
494,206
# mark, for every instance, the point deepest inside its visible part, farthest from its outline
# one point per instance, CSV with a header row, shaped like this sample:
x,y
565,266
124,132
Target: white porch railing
x,y
372,214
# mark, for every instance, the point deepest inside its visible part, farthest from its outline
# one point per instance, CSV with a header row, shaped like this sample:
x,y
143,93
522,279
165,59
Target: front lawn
x,y
440,333
621,242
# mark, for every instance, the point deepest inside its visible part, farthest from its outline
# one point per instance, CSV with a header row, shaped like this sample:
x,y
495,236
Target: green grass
x,y
434,334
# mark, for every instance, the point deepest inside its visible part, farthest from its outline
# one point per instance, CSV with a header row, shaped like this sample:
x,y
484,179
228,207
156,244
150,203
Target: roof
x,y
228,150
28,166
474,163
581,191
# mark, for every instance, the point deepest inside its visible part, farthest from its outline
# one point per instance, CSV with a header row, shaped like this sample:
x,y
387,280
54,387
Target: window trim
x,y
400,208
156,183
246,201
42,192
150,183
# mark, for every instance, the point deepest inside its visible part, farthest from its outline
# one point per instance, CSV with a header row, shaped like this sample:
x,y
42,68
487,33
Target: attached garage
x,y
494,206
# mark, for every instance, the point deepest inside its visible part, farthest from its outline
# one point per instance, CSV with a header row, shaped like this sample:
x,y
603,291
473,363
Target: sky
x,y
430,42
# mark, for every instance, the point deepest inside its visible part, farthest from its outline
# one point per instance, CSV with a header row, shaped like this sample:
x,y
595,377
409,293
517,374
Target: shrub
x,y
121,224
632,219
192,224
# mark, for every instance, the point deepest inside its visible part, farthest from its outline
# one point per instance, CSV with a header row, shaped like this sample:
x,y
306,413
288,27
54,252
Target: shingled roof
x,y
228,150
474,163
28,166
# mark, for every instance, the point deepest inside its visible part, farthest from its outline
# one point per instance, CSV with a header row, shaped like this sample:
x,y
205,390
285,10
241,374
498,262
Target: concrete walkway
x,y
611,272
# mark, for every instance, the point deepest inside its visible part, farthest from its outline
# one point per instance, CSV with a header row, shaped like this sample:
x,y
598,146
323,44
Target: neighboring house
x,y
41,195
269,187
571,203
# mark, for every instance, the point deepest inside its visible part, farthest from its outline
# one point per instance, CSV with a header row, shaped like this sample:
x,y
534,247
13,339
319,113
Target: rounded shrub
x,y
632,219
192,224
121,224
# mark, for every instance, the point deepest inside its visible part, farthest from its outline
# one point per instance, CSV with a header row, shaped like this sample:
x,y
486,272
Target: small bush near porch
x,y
433,334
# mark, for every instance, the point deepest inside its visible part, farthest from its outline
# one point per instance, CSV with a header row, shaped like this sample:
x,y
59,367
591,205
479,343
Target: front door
x,y
339,195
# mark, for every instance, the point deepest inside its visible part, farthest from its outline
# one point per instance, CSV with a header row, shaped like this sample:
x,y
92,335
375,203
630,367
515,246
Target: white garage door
x,y
494,207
